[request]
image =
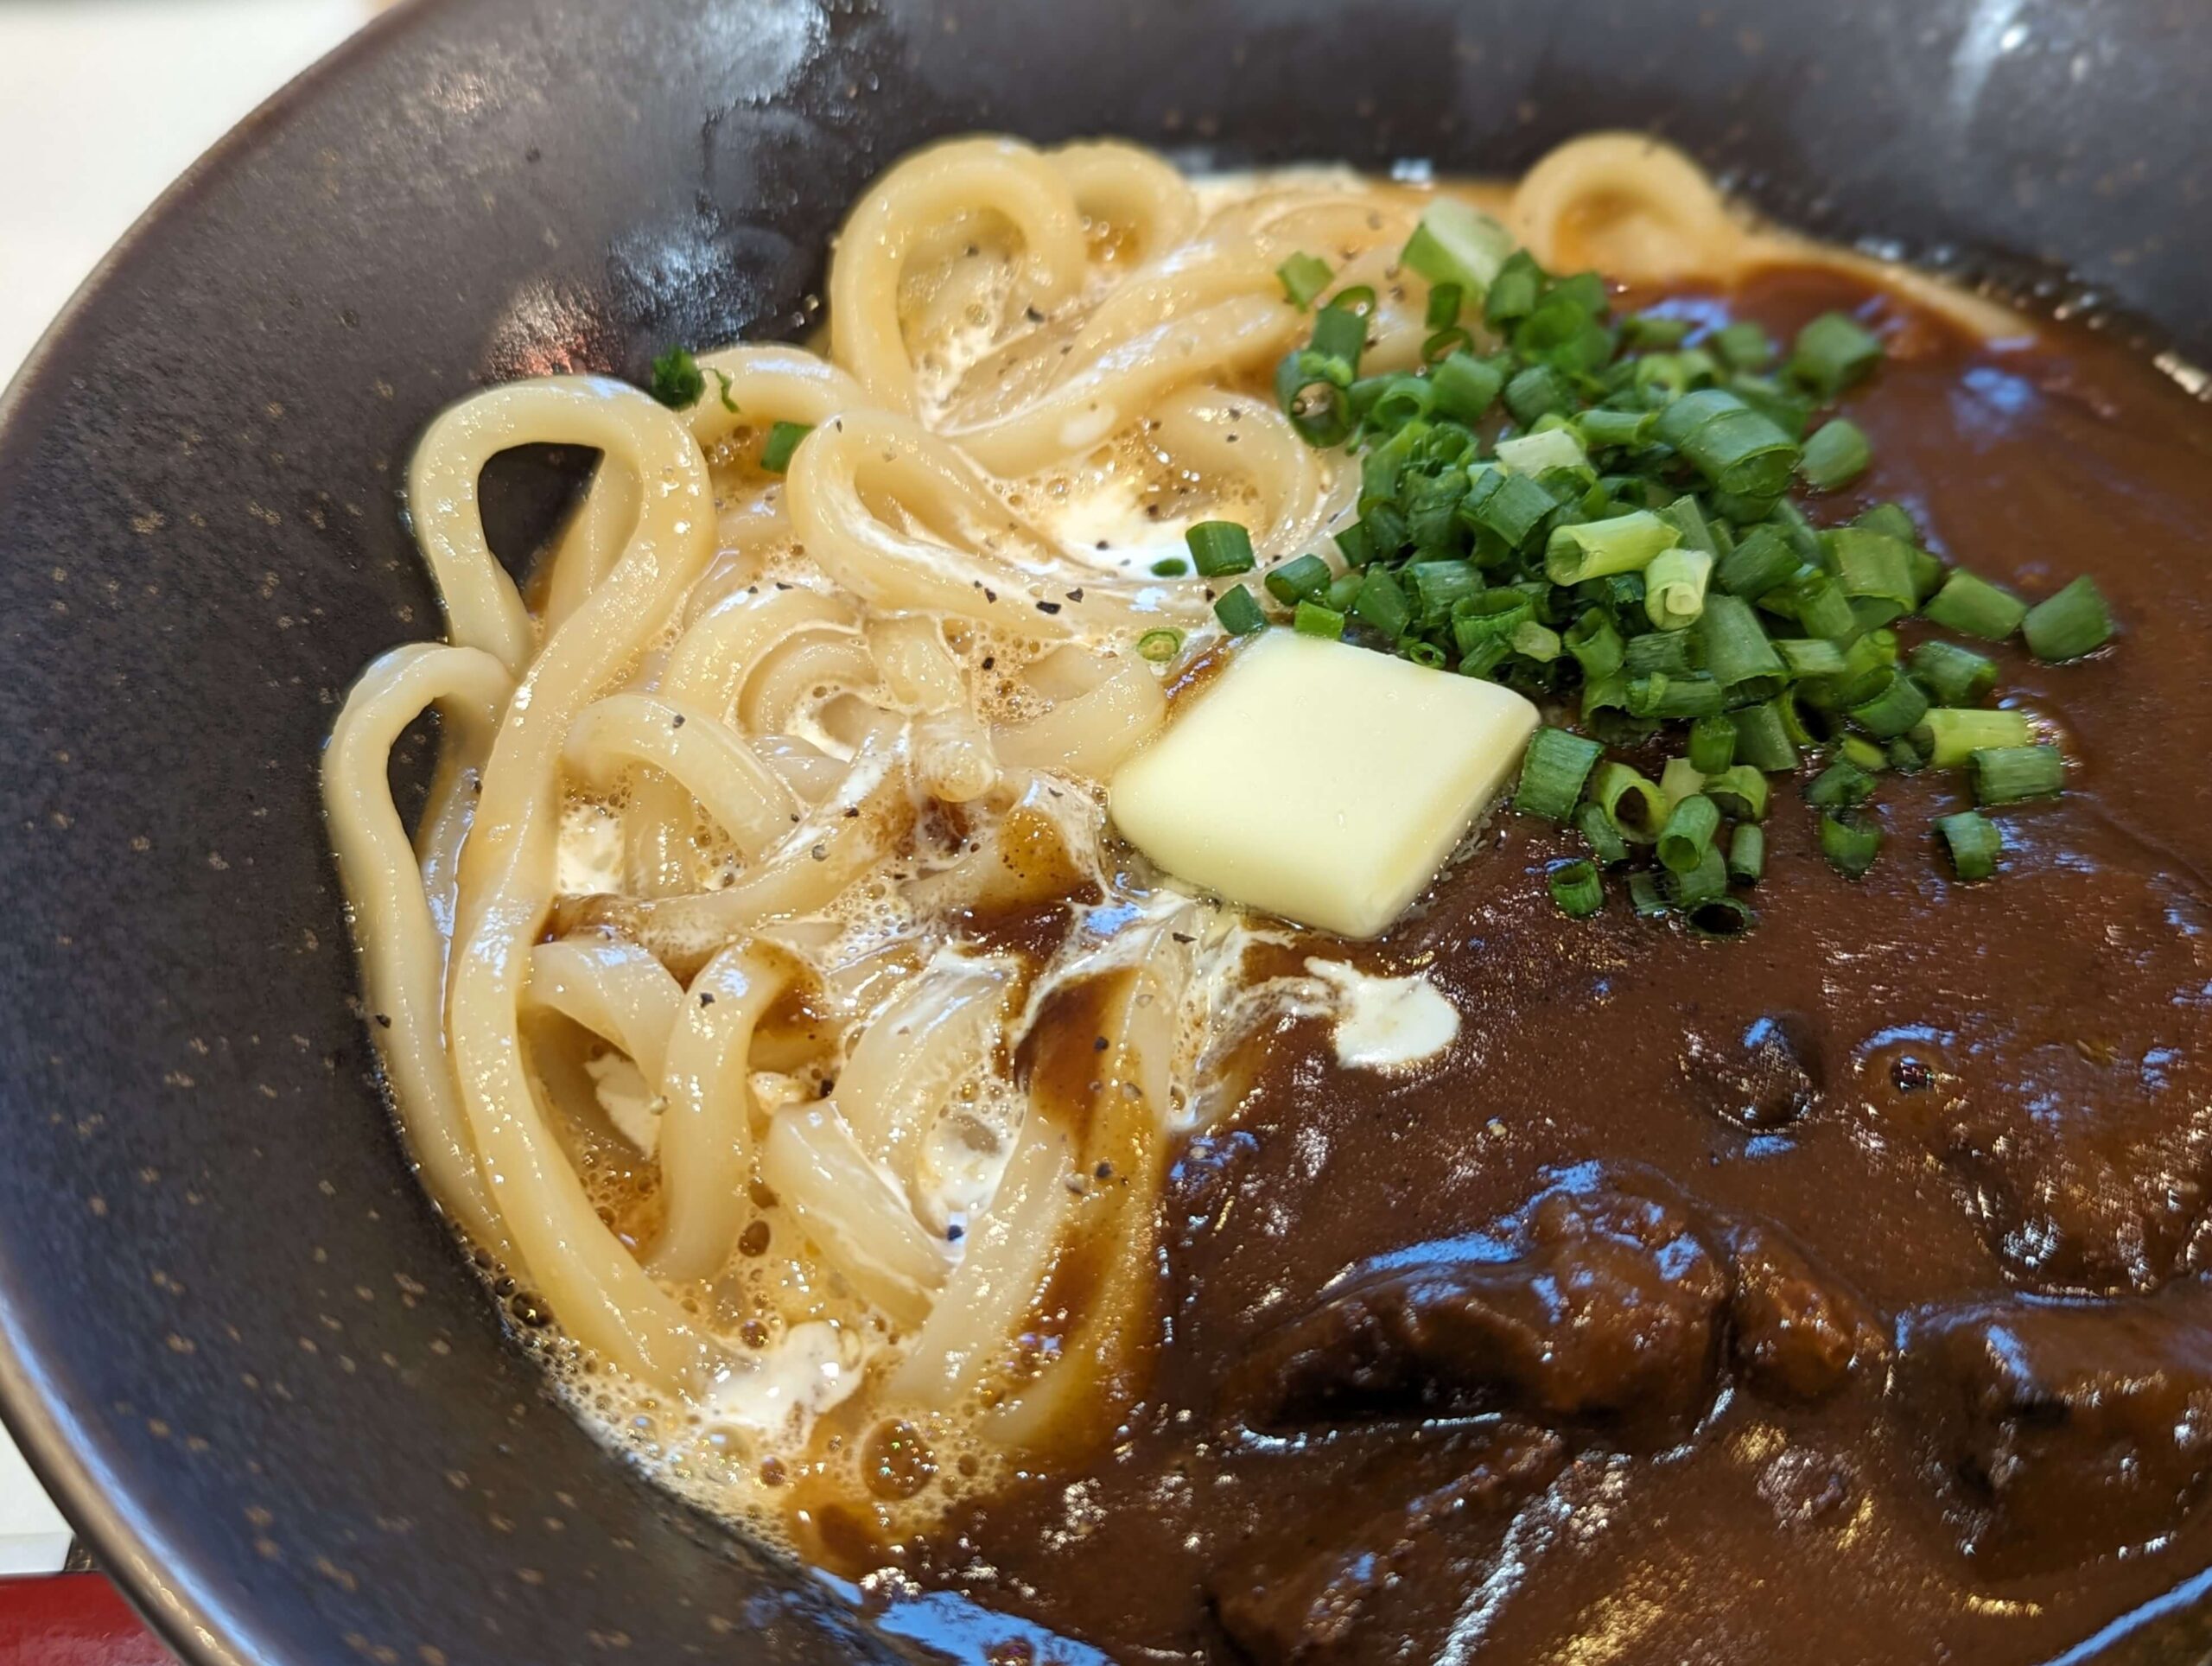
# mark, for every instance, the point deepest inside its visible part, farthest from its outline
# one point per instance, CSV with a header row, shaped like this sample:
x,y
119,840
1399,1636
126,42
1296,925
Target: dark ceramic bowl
x,y
237,1344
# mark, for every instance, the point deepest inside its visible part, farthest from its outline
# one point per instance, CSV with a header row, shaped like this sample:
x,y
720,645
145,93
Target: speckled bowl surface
x,y
234,1337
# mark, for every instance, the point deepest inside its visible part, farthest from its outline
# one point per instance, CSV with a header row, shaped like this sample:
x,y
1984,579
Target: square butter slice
x,y
1319,781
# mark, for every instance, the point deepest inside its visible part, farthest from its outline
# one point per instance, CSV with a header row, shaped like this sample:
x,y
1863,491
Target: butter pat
x,y
1319,781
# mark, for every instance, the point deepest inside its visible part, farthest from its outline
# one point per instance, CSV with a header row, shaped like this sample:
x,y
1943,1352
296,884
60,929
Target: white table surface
x,y
114,98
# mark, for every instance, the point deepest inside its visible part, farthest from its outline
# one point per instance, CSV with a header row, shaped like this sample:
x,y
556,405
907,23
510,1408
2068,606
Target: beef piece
x,y
1608,1308
2060,1429
1796,1335
1308,1593
1769,1077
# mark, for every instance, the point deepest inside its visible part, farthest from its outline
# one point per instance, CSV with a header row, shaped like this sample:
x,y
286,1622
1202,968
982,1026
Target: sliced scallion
x,y
1739,791
2066,626
1159,646
1465,386
1747,855
1832,352
1680,779
1974,844
1971,603
1312,618
1382,604
1645,897
1689,888
1738,654
1954,675
783,440
2008,775
1170,567
1631,802
1949,736
1547,449
1239,611
1897,707
1552,770
1303,276
1836,454
1712,744
1841,784
1761,740
1850,841
1626,543
1604,838
1674,586
1457,242
1721,917
1576,888
1300,580
1220,548
1761,560
1688,833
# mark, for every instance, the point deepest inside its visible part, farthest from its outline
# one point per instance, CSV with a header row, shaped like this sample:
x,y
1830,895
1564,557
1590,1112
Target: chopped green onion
x,y
1344,590
1739,791
1873,566
1513,291
1740,452
1303,276
1576,888
1626,543
1660,696
1595,642
1850,842
1969,603
1552,770
783,440
1547,449
1899,707
1712,744
1832,352
1312,618
1645,329
1701,882
1679,780
1622,430
1446,302
1457,242
1760,561
1686,518
1538,392
1810,656
1747,855
1643,896
1891,520
1239,613
1761,740
1738,654
1676,653
2066,626
1537,642
1512,508
678,381
1382,604
1954,675
1742,345
1604,839
2008,775
1862,753
1822,608
1220,548
1950,737
1836,454
1170,567
1839,784
1674,586
1465,386
1974,843
1301,579
1633,803
1160,646
1721,917
1688,833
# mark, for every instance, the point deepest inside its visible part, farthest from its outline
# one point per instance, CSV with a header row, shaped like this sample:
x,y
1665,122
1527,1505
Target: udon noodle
x,y
704,987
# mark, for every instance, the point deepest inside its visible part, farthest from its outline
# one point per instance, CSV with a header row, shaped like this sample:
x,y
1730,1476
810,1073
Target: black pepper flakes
x,y
383,1020
1076,594
1048,607
676,721
1099,1045
706,999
